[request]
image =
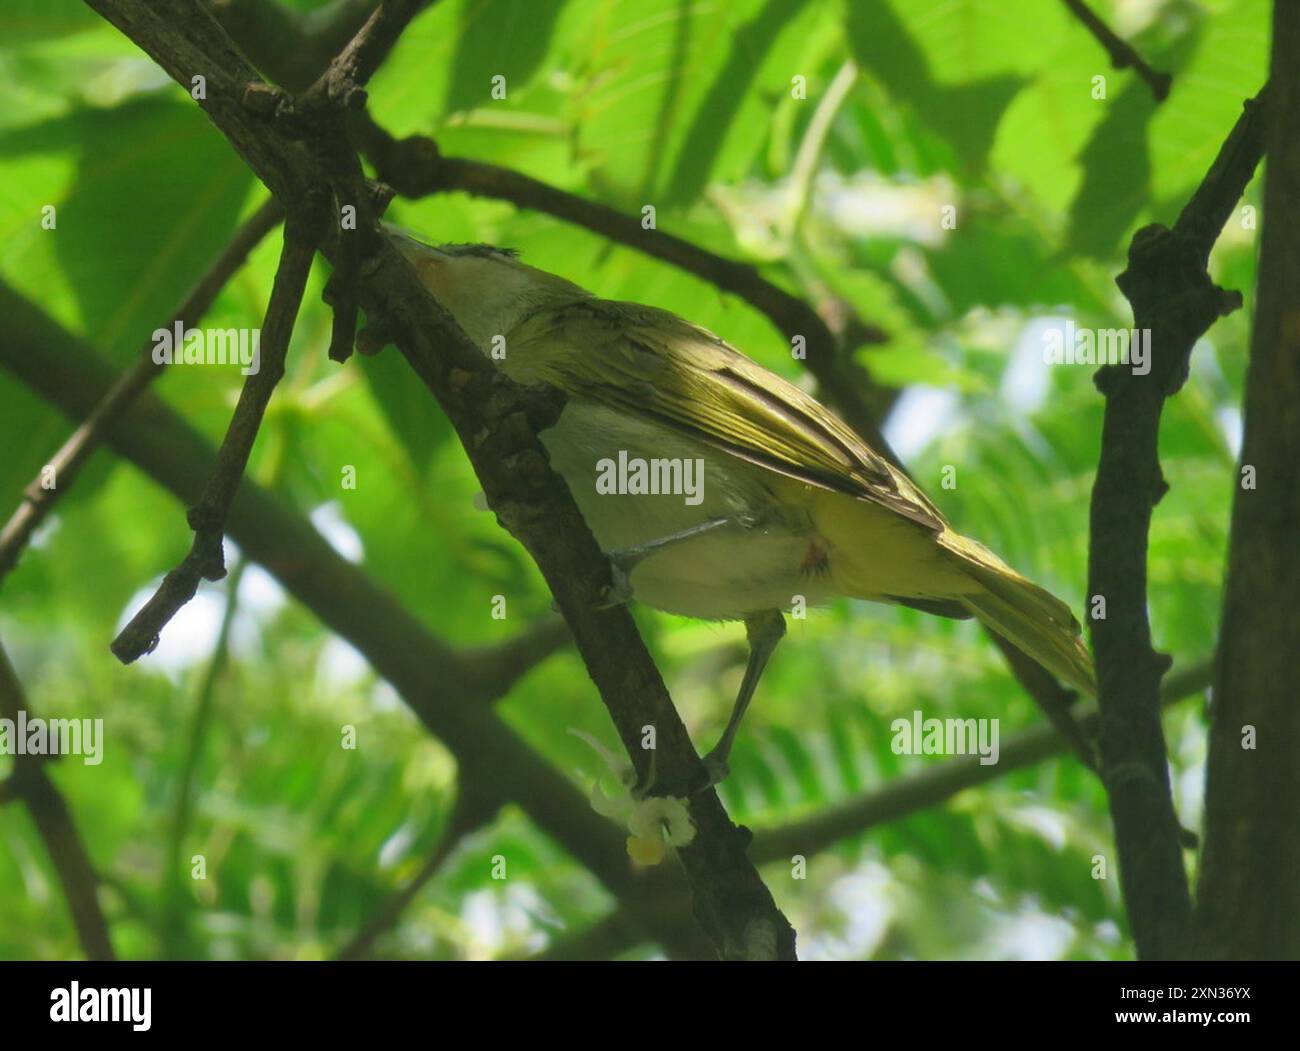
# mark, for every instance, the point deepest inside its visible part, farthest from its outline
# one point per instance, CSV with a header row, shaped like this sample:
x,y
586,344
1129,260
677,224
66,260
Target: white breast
x,y
725,574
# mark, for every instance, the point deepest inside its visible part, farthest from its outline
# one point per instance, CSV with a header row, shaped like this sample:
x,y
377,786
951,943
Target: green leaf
x,y
410,410
507,38
720,118
1230,66
1117,176
154,196
23,20
928,55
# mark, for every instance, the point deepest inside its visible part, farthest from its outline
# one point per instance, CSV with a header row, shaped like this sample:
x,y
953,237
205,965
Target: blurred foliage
x,y
984,105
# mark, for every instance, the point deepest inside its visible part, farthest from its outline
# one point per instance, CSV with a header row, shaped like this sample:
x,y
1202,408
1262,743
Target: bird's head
x,y
486,289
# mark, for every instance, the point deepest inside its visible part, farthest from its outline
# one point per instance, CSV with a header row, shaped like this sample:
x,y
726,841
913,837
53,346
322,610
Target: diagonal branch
x,y
907,795
472,811
1122,53
38,500
935,784
450,697
498,431
30,782
208,517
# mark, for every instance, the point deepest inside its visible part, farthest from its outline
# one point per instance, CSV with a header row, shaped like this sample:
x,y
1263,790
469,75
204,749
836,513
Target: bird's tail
x,y
1029,617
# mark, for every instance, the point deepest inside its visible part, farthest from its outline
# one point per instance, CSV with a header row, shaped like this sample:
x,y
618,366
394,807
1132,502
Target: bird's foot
x,y
619,593
716,771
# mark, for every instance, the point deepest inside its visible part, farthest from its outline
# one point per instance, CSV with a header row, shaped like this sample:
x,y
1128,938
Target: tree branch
x,y
449,697
1175,301
494,425
471,812
1122,53
498,666
208,517
1249,900
935,784
39,501
30,782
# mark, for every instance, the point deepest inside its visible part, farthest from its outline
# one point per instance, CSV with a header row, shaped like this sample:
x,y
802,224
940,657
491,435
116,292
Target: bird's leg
x,y
764,630
623,561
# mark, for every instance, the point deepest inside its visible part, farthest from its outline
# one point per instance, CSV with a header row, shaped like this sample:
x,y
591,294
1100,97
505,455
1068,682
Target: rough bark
x,y
1249,893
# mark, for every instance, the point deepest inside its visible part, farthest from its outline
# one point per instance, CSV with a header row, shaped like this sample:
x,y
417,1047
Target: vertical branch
x,y
1249,901
172,922
1174,302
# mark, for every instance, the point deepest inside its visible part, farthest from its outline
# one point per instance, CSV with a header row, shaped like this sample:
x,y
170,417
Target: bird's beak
x,y
412,248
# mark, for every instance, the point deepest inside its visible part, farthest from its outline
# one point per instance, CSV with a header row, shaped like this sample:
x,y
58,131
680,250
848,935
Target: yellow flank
x,y
876,554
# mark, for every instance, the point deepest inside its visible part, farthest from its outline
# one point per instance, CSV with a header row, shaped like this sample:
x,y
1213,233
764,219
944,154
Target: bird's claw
x,y
716,771
619,593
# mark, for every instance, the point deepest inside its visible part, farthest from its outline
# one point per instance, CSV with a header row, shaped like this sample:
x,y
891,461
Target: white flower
x,y
655,822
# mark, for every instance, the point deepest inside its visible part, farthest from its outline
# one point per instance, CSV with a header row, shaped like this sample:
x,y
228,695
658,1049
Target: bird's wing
x,y
652,364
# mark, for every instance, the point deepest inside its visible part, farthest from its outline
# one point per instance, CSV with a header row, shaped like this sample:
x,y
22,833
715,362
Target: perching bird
x,y
791,503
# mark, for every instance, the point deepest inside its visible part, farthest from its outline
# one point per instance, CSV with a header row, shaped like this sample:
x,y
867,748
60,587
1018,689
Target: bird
x,y
778,502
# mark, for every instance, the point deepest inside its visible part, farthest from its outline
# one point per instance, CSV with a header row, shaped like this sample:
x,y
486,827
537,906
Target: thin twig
x,y
357,62
54,822
208,517
1122,53
171,921
933,785
813,144
471,812
38,499
291,46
